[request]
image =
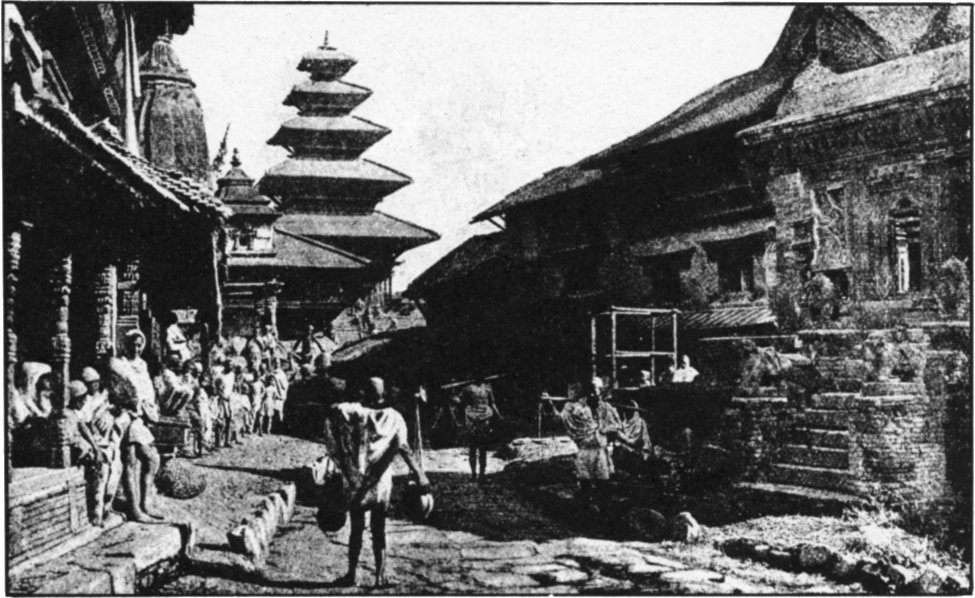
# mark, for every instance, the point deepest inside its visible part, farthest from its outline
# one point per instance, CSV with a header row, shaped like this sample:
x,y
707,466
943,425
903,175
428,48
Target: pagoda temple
x,y
329,247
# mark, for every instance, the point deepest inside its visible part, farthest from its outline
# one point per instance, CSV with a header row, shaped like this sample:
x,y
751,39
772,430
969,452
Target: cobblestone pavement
x,y
483,538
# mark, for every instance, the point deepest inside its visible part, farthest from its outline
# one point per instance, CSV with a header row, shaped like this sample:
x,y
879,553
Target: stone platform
x,y
124,558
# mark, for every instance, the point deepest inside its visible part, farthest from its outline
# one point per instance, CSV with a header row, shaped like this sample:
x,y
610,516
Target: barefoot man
x,y
363,440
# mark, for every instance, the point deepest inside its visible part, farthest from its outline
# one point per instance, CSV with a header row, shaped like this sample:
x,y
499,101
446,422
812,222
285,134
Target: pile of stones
x,y
252,537
876,576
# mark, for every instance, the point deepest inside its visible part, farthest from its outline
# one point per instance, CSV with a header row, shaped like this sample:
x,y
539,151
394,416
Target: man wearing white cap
x,y
363,439
136,396
108,437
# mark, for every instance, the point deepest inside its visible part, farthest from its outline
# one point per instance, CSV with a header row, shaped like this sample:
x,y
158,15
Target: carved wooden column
x,y
106,293
12,247
218,251
59,275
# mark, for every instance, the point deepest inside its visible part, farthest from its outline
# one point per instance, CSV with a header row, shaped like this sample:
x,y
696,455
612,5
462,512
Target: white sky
x,y
481,99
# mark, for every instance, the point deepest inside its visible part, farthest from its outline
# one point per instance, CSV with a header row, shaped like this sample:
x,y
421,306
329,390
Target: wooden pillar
x,y
12,246
59,275
106,308
216,323
653,349
594,347
612,337
673,324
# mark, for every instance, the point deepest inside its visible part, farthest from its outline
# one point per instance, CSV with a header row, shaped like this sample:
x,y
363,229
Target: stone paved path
x,y
484,538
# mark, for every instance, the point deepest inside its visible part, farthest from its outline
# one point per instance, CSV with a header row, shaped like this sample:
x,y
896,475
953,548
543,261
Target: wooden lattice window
x,y
905,222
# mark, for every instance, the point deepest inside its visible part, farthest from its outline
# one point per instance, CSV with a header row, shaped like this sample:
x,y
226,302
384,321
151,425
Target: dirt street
x,y
493,537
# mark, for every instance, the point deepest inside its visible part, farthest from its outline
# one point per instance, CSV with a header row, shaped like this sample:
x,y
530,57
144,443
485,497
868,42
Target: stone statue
x,y
908,358
762,366
879,357
765,366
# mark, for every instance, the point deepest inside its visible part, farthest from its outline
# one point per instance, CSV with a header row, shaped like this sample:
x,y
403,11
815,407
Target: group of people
x,y
105,429
674,374
105,421
605,440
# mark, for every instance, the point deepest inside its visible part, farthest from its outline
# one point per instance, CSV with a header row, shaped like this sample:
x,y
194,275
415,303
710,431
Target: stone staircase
x,y
817,454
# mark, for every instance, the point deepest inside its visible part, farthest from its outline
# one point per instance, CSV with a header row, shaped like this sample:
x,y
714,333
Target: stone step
x,y
800,499
832,400
879,389
824,418
814,456
847,384
820,437
810,477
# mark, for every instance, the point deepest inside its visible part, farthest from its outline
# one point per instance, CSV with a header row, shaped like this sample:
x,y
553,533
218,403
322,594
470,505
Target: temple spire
x,y
326,142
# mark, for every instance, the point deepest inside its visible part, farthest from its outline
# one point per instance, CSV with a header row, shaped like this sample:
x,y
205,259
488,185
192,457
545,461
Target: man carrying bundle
x,y
592,423
363,440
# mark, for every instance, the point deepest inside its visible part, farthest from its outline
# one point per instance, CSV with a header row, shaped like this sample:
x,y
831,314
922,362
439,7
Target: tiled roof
x,y
552,183
406,343
747,99
312,168
337,97
687,240
723,318
902,26
376,225
253,209
736,100
326,62
173,187
296,251
344,136
462,261
822,92
727,317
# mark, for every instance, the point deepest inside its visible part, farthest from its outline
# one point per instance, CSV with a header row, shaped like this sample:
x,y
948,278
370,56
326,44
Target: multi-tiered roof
x,y
327,143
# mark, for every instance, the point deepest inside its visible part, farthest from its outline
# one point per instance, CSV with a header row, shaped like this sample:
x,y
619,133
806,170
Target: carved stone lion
x,y
879,356
762,366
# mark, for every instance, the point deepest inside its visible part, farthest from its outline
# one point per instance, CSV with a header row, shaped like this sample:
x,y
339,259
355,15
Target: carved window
x,y
736,263
664,274
736,274
906,234
253,239
802,247
829,231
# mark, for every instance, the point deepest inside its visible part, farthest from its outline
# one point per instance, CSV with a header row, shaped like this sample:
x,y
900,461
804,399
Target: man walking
x,y
363,440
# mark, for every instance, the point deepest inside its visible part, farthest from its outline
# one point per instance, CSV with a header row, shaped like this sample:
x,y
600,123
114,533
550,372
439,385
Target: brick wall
x,y
46,507
753,428
907,440
892,452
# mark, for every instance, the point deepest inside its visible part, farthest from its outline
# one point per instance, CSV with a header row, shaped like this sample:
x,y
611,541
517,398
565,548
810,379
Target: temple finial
x,y
235,159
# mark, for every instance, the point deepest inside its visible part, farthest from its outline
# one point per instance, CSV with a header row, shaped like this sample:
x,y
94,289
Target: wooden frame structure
x,y
615,354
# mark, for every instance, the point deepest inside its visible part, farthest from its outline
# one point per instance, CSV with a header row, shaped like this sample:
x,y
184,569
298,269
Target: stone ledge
x,y
110,562
801,492
759,401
